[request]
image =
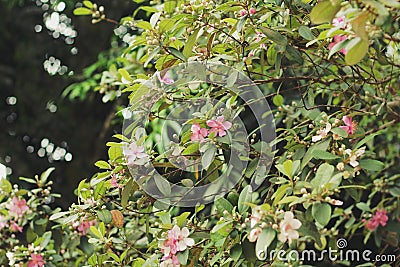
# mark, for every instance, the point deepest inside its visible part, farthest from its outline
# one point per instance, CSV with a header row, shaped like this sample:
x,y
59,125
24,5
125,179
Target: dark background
x,y
79,127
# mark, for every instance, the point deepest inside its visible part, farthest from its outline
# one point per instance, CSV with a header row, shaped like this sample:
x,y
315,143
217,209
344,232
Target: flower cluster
x,y
135,154
177,240
287,226
217,127
341,24
379,218
16,211
83,225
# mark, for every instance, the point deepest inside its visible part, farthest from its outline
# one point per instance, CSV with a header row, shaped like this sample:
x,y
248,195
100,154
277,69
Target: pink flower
x,y
17,207
177,240
259,36
350,127
339,21
3,222
135,154
379,217
337,39
242,12
171,261
219,126
288,227
198,133
166,79
252,11
15,227
36,261
85,225
181,236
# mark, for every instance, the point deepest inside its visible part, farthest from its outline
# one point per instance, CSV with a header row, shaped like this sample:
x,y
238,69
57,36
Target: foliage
x,y
330,68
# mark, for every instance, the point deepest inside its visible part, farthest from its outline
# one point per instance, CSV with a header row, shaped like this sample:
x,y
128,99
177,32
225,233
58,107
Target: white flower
x,y
135,154
3,171
288,227
353,156
255,216
181,236
11,260
254,234
322,133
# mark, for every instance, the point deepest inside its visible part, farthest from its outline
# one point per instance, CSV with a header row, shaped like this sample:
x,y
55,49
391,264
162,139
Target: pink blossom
x,y
85,225
135,154
198,133
113,181
3,222
337,39
17,207
171,261
177,240
339,21
259,36
379,217
15,227
166,79
36,261
219,126
350,126
252,11
181,236
242,12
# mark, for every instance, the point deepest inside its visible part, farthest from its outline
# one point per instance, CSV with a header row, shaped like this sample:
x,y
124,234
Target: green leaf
x,y
176,53
208,156
324,11
244,199
322,177
363,206
236,252
265,239
275,36
279,194
323,146
46,239
321,213
45,175
306,33
96,232
222,204
102,165
182,219
278,100
81,11
150,58
58,215
183,257
125,74
366,139
357,48
144,25
104,215
88,4
319,154
371,165
126,192
187,50
339,131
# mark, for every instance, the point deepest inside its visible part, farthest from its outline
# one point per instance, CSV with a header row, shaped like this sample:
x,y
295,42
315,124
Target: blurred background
x,y
44,49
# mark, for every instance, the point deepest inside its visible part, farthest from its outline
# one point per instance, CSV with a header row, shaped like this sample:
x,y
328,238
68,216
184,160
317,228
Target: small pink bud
x,y
243,12
251,54
252,10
